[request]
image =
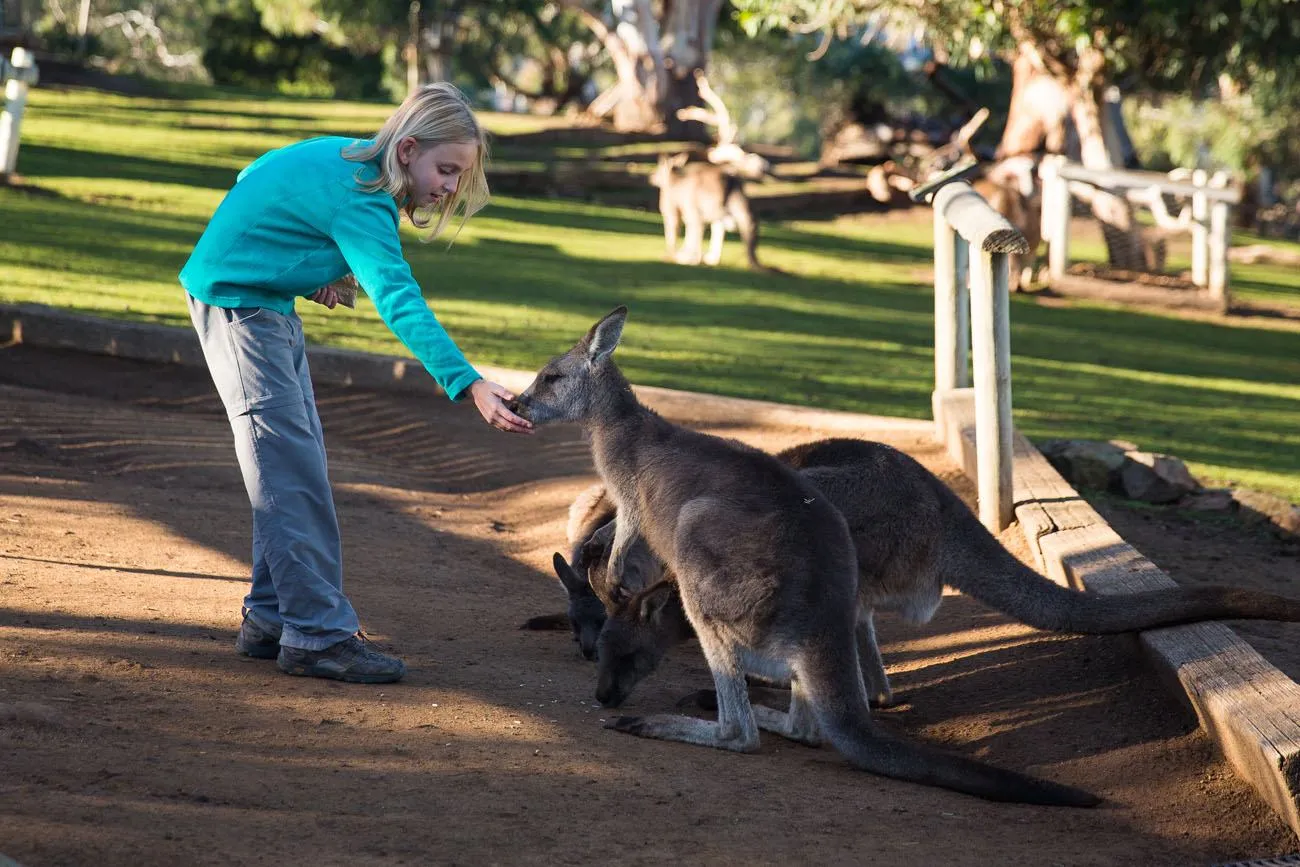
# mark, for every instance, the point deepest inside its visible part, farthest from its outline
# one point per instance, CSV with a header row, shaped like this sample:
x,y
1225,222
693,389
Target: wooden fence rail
x,y
1211,197
972,312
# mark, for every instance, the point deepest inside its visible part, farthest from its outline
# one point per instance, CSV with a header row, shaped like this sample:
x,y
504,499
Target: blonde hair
x,y
435,114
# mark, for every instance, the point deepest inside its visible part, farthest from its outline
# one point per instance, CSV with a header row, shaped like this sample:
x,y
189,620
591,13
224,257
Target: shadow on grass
x,y
60,162
1224,396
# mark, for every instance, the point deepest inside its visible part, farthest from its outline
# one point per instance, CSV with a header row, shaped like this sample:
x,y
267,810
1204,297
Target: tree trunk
x,y
1125,246
411,51
689,28
656,61
1066,112
440,42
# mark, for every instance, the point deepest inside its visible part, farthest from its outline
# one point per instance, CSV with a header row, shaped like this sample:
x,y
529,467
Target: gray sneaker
x,y
255,641
354,660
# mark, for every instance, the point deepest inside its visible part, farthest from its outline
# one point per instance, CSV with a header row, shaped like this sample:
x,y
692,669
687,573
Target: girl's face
x,y
435,170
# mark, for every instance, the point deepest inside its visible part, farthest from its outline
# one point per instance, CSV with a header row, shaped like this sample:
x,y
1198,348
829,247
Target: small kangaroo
x,y
586,613
766,574
697,193
913,536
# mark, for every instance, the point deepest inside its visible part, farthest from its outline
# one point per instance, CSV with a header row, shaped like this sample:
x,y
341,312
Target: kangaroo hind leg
x,y
796,724
717,232
873,666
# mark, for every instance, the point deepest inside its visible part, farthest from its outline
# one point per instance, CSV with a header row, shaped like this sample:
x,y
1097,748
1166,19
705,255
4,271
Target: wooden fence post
x,y
1200,231
1218,242
991,238
17,74
1056,216
951,315
991,339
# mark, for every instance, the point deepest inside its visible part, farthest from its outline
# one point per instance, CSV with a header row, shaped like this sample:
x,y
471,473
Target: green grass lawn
x,y
127,184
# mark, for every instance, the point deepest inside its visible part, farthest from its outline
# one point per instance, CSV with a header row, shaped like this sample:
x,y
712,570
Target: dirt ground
x,y
131,733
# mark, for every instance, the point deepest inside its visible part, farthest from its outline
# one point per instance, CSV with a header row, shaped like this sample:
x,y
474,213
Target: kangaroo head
x,y
642,629
586,611
568,387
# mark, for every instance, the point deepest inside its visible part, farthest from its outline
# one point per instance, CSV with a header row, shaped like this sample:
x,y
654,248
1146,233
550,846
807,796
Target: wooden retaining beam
x,y
1249,708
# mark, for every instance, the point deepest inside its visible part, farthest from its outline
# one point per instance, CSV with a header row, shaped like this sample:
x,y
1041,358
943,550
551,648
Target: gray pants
x,y
258,362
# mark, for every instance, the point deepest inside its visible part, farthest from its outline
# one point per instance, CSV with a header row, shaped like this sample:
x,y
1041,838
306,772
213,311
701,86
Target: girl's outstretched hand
x,y
490,399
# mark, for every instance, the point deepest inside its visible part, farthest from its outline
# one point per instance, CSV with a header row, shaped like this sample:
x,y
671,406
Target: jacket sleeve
x,y
366,234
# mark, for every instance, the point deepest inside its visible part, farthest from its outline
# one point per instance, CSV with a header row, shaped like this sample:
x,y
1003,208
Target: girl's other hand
x,y
326,295
490,399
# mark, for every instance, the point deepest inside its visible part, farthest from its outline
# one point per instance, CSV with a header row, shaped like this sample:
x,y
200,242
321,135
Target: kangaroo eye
x,y
548,378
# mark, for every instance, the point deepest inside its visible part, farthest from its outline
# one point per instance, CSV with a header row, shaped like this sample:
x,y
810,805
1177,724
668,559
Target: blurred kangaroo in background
x,y
696,193
766,574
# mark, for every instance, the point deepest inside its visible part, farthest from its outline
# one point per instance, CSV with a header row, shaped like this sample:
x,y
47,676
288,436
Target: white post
x,y
961,269
951,314
945,317
18,73
1200,231
1056,216
83,25
991,336
1218,253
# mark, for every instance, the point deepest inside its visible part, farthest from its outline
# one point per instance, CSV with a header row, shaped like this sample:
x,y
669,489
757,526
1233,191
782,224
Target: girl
x,y
297,219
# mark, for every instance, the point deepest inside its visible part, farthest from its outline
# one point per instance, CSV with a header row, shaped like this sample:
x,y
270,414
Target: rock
x,y
1257,507
1154,478
1086,463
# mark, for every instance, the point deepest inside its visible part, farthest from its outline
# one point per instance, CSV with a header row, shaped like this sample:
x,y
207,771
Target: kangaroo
x,y
582,576
699,193
913,536
585,612
766,575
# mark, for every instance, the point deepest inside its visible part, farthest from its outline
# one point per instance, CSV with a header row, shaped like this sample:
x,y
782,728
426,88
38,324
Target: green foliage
x,y
1237,134
777,96
181,23
541,50
241,52
1157,43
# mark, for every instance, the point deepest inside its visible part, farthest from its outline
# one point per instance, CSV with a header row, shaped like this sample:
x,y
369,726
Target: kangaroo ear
x,y
573,582
605,335
655,600
598,543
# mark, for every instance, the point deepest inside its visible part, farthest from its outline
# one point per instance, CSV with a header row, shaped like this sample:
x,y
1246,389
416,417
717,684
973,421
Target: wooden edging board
x,y
1249,707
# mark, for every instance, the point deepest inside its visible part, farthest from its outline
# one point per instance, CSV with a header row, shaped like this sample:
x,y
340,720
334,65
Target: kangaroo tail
x,y
840,706
975,563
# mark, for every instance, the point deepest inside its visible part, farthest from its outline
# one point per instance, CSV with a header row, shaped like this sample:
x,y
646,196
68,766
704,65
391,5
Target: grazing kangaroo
x,y
586,613
913,536
697,193
766,574
590,534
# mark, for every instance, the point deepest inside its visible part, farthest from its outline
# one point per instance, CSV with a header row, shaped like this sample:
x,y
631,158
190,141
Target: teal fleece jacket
x,y
296,220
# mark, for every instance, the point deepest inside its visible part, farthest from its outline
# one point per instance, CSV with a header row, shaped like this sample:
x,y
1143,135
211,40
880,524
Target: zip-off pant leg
x,y
258,361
